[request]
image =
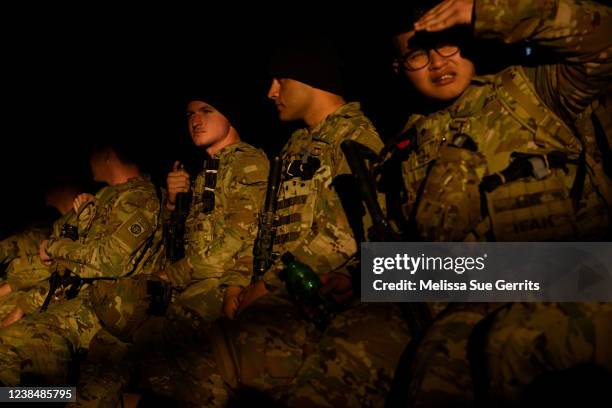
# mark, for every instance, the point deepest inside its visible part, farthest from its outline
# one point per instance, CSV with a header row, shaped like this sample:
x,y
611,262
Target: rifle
x,y
55,281
262,249
71,284
174,228
357,156
60,277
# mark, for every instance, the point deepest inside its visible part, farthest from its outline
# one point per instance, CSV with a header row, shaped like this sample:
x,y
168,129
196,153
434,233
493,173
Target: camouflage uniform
x,y
351,364
527,340
219,233
19,254
27,275
20,244
536,111
269,347
114,236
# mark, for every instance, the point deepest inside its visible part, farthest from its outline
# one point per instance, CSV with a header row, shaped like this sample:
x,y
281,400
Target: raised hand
x,y
447,14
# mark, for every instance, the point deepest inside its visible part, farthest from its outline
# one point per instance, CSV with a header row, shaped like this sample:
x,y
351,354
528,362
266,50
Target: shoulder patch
x,y
134,231
250,169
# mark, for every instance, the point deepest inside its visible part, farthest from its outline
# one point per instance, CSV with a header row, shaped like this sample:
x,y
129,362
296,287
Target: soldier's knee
x,y
550,340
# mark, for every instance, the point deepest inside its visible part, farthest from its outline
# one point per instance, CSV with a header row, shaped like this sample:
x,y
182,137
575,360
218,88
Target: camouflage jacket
x,y
496,112
113,231
222,222
312,221
22,244
28,276
28,270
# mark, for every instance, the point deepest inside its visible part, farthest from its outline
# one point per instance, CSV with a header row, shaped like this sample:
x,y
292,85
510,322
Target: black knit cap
x,y
221,97
310,59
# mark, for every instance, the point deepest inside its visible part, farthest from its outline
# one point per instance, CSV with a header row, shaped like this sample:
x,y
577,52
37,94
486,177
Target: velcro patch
x,y
133,231
249,169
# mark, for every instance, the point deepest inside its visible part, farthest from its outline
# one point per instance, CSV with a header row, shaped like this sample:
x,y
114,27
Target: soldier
x,y
350,364
115,238
501,157
227,195
27,276
269,344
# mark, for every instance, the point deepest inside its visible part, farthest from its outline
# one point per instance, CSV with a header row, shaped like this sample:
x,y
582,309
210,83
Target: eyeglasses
x,y
419,58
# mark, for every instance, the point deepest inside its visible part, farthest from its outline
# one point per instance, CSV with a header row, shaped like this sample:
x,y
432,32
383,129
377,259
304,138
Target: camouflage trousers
x,y
528,340
42,345
354,362
515,345
112,364
440,373
105,374
271,349
188,318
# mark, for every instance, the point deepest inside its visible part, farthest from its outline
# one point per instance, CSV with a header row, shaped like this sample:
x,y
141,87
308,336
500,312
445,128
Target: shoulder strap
x,y
515,85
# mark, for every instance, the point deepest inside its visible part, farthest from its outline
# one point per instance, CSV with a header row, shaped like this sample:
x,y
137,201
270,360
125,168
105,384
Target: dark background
x,y
71,76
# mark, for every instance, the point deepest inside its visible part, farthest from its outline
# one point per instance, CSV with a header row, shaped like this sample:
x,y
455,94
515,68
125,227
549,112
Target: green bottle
x,y
303,285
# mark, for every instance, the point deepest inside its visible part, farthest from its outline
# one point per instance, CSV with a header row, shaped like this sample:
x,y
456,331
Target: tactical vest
x,y
199,224
538,183
304,175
